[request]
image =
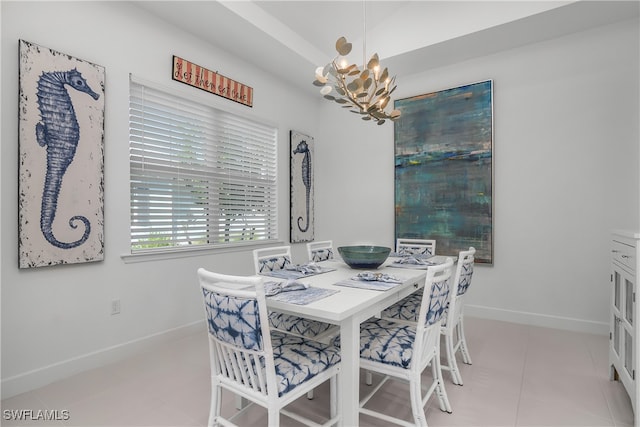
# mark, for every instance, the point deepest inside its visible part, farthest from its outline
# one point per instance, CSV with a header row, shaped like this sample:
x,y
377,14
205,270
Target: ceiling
x,y
295,37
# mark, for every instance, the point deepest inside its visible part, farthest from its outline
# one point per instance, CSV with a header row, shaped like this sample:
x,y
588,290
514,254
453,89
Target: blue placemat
x,y
304,296
298,272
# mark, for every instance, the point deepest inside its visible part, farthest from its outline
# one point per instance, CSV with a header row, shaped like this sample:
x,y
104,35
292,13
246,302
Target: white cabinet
x,y
623,335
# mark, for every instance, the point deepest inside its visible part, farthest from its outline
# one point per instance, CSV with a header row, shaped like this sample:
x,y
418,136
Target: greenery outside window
x,y
200,176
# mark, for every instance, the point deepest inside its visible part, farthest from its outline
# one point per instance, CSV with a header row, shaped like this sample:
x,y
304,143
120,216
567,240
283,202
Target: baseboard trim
x,y
536,319
40,377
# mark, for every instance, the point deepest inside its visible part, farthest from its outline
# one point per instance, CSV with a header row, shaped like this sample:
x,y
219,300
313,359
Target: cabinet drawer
x,y
624,254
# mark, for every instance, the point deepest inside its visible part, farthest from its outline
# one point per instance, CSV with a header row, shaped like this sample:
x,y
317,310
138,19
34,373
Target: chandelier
x,y
366,92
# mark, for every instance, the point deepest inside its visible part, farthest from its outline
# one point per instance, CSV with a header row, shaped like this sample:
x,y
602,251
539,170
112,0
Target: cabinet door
x,y
617,290
626,369
616,318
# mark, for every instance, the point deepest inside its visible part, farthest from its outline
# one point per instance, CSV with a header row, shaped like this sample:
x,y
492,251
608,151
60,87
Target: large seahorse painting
x,y
61,158
302,189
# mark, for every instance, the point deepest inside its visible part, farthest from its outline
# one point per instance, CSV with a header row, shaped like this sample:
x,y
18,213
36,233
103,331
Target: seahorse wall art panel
x,y
302,188
61,169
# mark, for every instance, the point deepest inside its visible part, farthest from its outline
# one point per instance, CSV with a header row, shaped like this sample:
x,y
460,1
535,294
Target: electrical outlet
x,y
115,307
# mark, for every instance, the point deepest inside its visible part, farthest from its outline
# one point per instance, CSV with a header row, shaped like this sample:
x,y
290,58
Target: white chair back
x,y
432,310
320,251
461,283
415,246
271,259
238,332
453,324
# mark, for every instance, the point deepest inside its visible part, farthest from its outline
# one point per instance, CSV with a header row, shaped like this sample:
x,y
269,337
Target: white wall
x,y
56,320
566,147
566,153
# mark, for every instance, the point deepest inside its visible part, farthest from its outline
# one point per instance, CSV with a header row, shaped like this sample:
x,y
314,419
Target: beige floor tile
x,y
520,376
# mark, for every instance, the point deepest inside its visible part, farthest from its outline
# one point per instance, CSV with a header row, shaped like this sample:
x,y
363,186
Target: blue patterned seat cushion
x,y
298,359
387,342
297,325
274,263
321,254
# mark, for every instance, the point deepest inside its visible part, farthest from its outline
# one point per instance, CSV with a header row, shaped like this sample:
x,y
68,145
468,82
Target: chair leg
x,y
415,391
466,357
274,417
451,359
216,402
333,396
436,369
368,378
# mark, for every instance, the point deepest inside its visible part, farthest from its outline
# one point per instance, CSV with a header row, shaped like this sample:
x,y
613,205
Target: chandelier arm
x,y
343,85
372,96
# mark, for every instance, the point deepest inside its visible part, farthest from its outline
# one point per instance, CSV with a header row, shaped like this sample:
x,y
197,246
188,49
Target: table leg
x,y
349,379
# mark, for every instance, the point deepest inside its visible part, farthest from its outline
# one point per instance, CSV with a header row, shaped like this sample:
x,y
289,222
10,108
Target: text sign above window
x,y
210,81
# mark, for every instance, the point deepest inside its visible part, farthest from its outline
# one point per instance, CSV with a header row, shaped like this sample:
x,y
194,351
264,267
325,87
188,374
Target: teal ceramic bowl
x,y
365,257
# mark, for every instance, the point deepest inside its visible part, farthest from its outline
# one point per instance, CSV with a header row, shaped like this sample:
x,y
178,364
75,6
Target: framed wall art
x,y
444,169
61,164
302,187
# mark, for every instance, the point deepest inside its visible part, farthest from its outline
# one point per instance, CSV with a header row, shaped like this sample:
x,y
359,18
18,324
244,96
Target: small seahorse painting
x,y
61,158
302,217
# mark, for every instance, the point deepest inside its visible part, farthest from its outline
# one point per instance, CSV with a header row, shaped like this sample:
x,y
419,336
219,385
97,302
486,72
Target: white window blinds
x,y
199,175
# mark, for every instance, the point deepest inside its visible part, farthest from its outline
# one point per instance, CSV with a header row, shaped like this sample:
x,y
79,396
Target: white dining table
x,y
348,308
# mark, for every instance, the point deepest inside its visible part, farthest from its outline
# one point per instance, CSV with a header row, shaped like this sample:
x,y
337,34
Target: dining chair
x,y
415,246
268,368
320,251
403,351
453,323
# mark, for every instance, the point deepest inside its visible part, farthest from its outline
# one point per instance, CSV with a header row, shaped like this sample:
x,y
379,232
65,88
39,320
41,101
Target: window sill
x,y
164,254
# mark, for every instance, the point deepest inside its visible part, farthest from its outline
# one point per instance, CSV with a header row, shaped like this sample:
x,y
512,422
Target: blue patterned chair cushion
x,y
233,320
465,278
438,301
273,264
299,359
387,342
297,325
321,254
408,308
414,250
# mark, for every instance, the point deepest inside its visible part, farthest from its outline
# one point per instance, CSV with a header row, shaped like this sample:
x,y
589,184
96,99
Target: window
x,y
199,176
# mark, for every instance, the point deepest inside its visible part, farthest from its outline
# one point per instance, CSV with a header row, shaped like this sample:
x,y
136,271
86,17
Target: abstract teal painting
x,y
444,169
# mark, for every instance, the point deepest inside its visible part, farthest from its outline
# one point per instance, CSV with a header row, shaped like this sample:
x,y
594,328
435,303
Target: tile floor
x,y
521,376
